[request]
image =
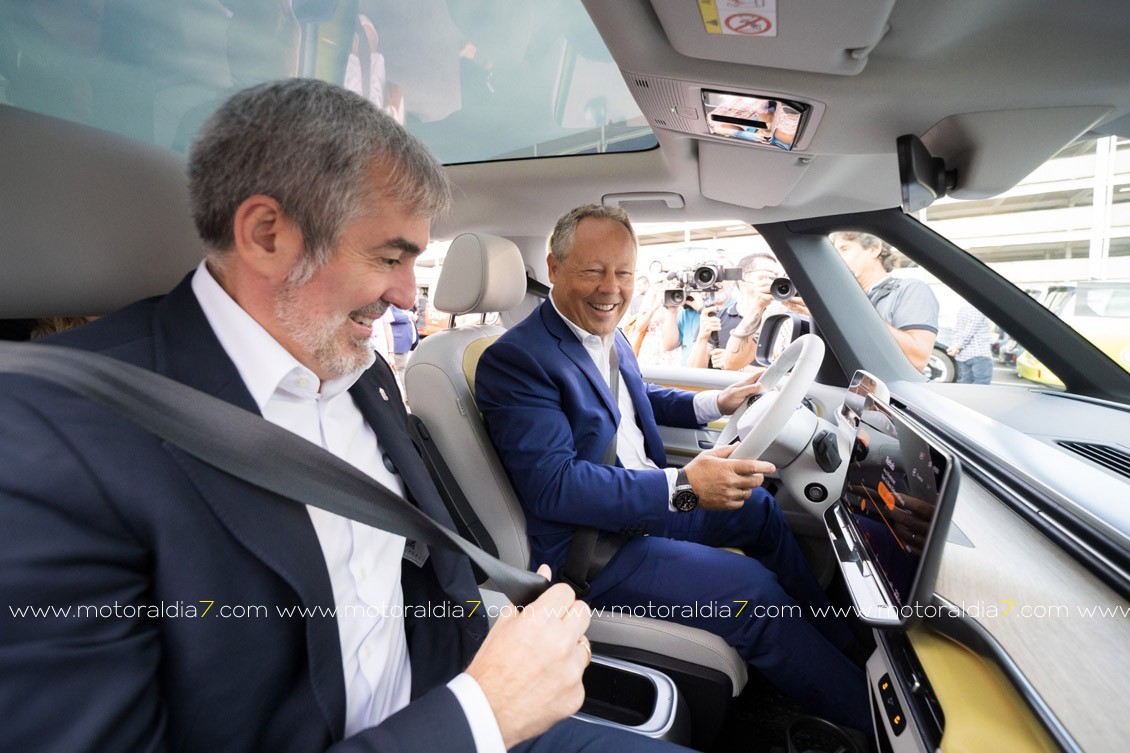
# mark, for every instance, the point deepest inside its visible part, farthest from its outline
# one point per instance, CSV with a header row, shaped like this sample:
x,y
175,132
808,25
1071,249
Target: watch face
x,y
685,501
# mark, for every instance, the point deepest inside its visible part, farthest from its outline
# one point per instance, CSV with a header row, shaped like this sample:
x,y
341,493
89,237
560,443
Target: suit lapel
x,y
186,349
629,372
575,352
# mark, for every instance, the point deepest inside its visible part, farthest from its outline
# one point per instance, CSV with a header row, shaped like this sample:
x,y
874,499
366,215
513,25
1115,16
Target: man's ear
x,y
267,242
551,263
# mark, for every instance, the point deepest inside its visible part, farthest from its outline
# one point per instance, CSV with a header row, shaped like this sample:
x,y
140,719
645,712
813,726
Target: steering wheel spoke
x,y
784,386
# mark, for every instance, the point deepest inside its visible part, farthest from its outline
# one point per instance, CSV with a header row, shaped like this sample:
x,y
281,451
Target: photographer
x,y
680,325
690,304
738,323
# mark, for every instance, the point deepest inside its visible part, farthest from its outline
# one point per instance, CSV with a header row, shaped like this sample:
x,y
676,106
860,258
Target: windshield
x,y
476,81
1062,235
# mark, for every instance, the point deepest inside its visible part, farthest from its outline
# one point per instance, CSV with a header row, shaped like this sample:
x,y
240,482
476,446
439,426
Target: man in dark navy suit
x,y
545,391
151,602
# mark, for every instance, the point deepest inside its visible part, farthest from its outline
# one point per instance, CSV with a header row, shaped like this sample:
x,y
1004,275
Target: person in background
x,y
643,284
907,305
970,347
644,332
404,337
54,324
421,310
729,341
381,339
680,324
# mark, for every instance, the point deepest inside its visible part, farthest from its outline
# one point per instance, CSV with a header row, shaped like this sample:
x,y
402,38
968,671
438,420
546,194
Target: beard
x,y
336,352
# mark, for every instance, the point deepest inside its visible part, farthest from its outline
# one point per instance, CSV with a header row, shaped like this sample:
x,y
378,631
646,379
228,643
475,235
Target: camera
x,y
704,278
782,289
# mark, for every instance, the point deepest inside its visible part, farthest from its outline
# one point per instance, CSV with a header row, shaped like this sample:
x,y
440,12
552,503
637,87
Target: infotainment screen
x,y
889,527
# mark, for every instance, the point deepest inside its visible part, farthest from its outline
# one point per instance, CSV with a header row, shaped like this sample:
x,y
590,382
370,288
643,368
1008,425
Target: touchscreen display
x,y
895,509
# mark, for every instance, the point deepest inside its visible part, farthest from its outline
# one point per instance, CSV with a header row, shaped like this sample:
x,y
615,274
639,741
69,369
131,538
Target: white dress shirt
x,y
630,448
363,562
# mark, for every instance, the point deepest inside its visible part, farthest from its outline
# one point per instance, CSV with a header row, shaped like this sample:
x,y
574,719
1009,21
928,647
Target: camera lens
x,y
782,289
704,276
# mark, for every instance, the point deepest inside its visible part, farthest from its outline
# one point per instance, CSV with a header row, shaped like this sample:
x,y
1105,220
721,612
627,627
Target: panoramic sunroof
x,y
476,80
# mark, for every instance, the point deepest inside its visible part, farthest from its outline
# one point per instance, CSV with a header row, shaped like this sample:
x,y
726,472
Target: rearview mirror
x,y
923,177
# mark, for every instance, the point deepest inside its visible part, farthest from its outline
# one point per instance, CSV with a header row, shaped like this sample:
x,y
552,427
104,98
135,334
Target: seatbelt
x,y
463,514
591,548
536,288
237,441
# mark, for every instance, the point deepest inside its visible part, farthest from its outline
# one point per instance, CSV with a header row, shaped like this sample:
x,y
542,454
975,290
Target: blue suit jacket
x,y
551,416
94,511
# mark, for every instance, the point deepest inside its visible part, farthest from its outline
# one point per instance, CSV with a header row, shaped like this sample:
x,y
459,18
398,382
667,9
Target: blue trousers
x,y
976,370
765,603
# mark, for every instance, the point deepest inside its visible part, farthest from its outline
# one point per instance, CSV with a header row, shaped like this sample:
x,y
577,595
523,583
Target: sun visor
x,y
796,35
993,151
748,177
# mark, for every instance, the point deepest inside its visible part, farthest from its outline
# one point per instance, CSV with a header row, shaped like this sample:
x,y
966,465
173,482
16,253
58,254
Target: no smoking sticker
x,y
745,18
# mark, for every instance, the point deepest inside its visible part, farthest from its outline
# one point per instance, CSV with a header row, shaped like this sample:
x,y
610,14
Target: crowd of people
x,y
719,328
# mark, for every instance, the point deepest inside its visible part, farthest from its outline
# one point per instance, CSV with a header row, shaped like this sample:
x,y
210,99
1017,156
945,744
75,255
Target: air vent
x,y
643,83
1111,458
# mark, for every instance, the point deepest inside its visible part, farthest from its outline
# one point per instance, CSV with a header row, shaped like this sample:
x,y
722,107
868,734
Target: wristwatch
x,y
684,499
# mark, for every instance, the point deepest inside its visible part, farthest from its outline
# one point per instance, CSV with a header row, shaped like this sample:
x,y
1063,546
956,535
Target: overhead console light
x,y
756,119
923,177
777,121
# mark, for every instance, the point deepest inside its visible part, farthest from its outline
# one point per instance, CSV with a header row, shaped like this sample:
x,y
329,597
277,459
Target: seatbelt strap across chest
x,y
238,442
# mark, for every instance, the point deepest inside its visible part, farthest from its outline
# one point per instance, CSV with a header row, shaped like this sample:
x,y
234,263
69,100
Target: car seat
x,y
484,274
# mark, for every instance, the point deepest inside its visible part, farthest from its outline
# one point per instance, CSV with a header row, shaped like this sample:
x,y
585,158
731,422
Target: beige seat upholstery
x,y
484,274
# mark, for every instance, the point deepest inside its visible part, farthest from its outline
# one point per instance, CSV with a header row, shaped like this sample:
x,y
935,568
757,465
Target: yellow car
x,y
1100,312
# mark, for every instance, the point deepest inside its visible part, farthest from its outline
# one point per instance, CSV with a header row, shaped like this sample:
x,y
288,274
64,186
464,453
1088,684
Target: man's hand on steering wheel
x,y
724,483
731,398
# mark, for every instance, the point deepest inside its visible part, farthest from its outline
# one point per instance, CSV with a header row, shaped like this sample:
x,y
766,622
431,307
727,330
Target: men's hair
x,y
746,263
564,232
867,240
311,146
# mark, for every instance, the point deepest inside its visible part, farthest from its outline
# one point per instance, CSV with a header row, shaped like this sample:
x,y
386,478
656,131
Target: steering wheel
x,y
783,386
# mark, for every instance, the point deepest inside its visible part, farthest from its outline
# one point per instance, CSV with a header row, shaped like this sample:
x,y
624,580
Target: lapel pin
x,y
384,395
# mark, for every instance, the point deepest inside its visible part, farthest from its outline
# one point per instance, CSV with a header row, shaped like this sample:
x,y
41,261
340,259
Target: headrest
x,y
91,221
481,274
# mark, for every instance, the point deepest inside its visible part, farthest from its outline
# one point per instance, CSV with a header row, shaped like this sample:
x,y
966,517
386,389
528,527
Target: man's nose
x,y
402,292
609,283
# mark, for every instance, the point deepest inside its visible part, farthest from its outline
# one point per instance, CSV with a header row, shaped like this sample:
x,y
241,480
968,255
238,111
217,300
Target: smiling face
x,y
593,286
326,321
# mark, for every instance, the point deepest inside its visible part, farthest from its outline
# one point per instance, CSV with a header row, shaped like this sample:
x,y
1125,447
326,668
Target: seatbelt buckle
x,y
580,589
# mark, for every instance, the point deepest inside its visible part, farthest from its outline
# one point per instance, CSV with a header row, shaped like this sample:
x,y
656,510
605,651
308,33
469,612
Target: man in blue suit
x,y
544,390
152,602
